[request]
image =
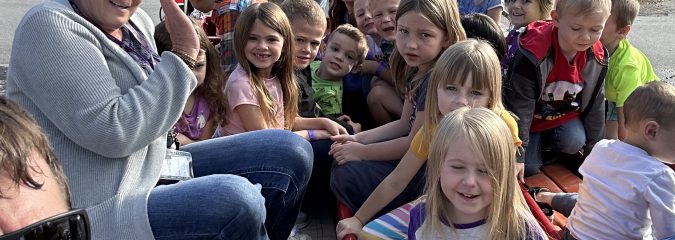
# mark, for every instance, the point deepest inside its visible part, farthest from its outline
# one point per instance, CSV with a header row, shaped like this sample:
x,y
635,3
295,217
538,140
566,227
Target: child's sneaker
x,y
545,208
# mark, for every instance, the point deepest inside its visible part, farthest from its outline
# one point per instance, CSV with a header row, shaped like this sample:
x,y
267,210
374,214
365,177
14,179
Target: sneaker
x,y
545,208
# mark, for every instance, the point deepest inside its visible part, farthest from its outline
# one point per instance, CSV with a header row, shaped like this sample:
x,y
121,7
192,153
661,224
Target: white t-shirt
x,y
625,194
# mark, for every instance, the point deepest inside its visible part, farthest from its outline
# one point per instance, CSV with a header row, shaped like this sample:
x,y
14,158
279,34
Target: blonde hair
x,y
307,10
659,99
625,12
469,58
271,15
356,35
444,14
583,7
508,215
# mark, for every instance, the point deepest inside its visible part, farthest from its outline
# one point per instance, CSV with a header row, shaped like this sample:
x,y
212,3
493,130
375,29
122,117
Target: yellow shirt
x,y
420,147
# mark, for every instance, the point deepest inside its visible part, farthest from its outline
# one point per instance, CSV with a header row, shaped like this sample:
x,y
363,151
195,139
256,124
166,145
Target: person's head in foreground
x,y
34,197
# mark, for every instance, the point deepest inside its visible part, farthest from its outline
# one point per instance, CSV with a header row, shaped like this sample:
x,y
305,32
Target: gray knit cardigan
x,y
105,118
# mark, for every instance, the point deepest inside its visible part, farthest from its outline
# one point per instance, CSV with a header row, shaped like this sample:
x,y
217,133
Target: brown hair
x,y
214,82
582,7
652,101
444,14
307,10
356,35
271,15
625,12
19,137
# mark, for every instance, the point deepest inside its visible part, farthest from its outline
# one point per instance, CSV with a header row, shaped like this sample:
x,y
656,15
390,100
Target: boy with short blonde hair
x,y
555,82
628,66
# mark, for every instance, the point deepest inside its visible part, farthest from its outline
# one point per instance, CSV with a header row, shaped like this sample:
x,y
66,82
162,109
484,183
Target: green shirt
x,y
328,94
628,69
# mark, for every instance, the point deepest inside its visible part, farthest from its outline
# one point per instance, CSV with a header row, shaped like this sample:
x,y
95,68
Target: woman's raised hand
x,y
183,35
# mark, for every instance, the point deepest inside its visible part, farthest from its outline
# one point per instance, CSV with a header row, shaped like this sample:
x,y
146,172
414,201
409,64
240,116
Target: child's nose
x,y
469,179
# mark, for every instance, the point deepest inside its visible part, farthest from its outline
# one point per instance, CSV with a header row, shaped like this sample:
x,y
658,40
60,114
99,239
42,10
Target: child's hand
x,y
348,120
333,128
344,138
348,226
183,140
520,172
346,152
321,134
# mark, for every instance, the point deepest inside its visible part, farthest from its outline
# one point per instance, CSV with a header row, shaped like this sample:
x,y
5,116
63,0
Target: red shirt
x,y
560,101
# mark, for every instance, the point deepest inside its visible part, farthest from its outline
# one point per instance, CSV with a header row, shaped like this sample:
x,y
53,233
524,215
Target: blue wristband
x,y
379,69
311,134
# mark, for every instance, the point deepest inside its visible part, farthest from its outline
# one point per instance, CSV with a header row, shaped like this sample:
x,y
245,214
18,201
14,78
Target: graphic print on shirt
x,y
558,99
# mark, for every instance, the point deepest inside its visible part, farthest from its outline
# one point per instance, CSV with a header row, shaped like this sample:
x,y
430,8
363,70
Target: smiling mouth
x,y
389,29
118,5
262,56
466,195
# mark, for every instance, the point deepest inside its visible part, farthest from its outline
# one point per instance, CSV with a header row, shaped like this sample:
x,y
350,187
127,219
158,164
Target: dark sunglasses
x,y
72,225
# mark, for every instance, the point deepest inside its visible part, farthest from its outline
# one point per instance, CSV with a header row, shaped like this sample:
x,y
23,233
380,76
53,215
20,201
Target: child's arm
x,y
207,133
521,92
333,128
387,150
385,192
379,69
621,120
251,116
388,131
660,197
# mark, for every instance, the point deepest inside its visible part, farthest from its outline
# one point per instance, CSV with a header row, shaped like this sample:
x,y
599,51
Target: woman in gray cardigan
x,y
88,73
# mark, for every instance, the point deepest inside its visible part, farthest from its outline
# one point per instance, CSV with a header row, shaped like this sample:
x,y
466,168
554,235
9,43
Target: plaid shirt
x,y
226,13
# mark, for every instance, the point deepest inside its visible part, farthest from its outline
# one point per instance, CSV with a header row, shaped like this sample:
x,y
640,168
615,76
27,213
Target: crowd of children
x,y
424,115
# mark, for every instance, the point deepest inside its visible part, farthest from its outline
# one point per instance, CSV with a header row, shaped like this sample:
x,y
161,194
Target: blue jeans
x,y
278,160
568,138
218,206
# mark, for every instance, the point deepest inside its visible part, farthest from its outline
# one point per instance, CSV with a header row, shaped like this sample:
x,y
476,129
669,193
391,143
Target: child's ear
x,y
623,32
651,128
555,17
446,43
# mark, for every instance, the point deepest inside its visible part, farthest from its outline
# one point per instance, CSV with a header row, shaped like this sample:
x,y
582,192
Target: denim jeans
x,y
353,182
278,160
218,206
568,138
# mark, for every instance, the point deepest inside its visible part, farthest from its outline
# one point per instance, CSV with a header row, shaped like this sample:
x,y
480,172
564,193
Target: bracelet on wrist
x,y
189,61
310,134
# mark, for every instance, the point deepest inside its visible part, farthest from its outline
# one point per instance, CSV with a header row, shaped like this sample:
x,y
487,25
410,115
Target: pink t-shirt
x,y
240,92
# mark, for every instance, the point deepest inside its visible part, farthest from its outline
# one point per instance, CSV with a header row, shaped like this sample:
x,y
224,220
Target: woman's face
x,y
109,15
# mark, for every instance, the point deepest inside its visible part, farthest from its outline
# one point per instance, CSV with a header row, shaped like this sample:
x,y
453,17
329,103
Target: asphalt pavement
x,y
652,32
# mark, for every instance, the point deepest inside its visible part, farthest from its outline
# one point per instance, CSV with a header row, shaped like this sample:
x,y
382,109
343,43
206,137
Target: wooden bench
x,y
558,179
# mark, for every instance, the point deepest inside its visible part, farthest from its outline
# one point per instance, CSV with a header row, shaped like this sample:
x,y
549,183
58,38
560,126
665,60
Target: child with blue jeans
x,y
555,82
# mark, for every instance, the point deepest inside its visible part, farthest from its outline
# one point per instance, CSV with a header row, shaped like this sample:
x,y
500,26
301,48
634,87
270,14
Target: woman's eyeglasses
x,y
72,225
